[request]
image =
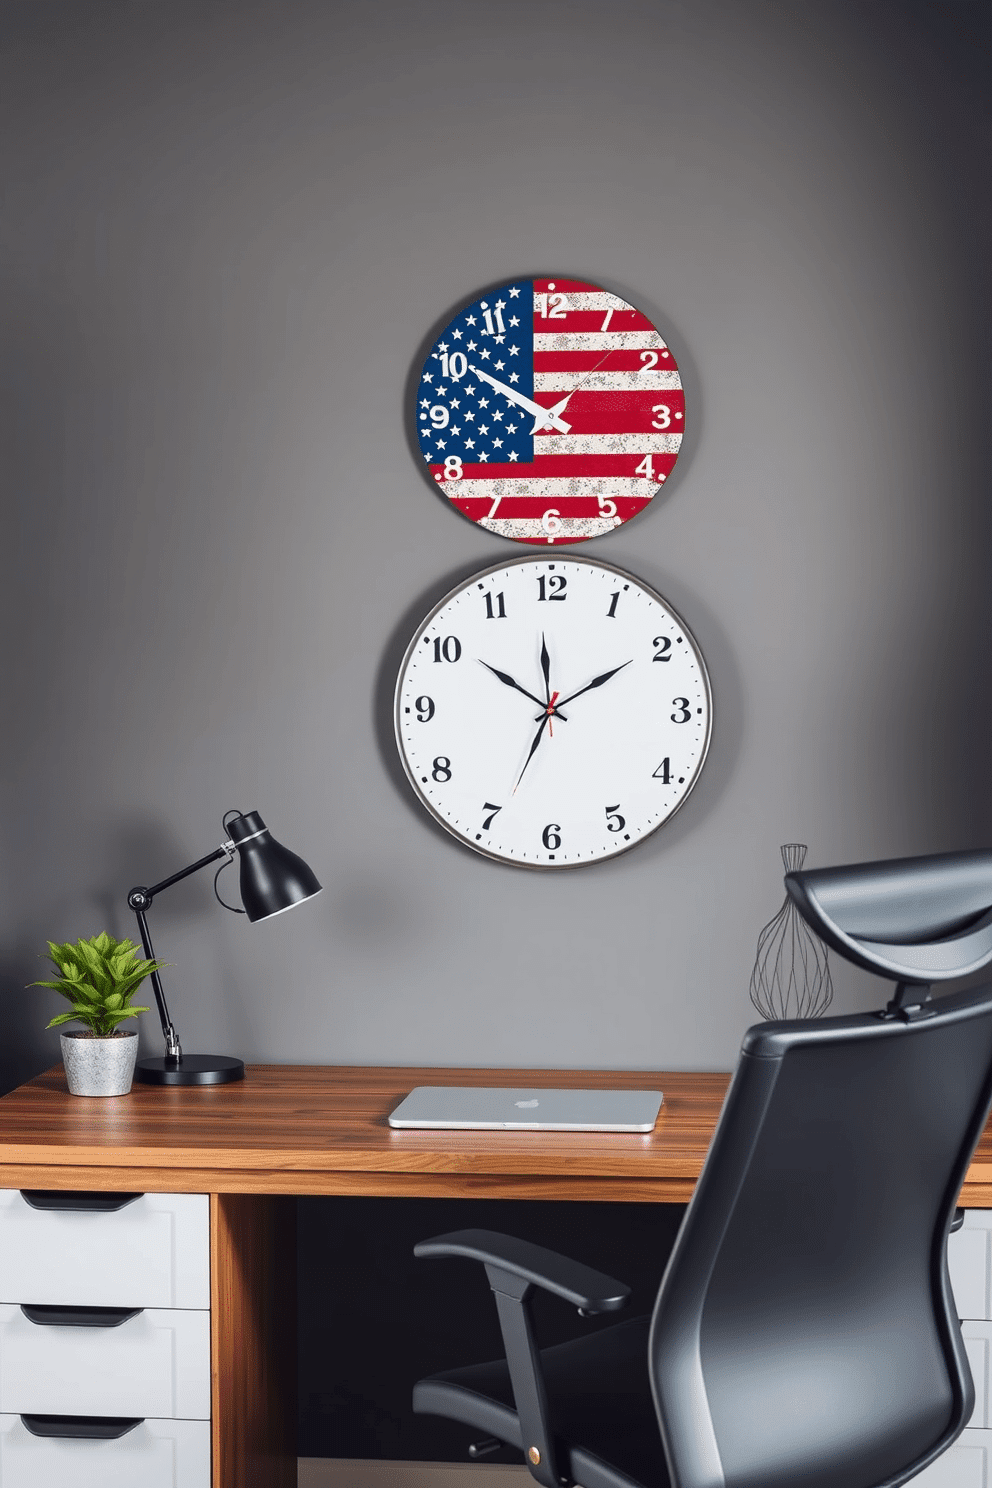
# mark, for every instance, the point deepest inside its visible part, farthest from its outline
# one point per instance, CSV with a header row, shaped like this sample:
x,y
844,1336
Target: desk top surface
x,y
320,1129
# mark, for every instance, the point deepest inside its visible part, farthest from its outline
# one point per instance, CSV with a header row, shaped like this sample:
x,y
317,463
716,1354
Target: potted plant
x,y
98,977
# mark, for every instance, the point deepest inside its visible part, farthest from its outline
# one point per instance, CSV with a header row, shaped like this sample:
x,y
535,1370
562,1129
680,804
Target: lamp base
x,y
192,1069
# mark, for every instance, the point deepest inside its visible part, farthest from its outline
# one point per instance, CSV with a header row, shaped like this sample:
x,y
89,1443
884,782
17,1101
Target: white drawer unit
x,y
968,1464
104,1362
969,1261
149,1454
104,1340
151,1250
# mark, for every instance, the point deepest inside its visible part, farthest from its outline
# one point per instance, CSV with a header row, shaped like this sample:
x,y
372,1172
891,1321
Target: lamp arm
x,y
139,900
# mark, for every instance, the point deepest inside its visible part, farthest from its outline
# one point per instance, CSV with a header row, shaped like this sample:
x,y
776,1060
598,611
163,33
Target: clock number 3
x,y
685,712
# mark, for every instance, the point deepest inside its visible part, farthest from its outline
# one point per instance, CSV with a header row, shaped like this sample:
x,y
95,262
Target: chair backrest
x,y
804,1331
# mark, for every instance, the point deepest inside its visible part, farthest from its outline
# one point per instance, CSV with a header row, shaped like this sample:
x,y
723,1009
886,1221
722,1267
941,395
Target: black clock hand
x,y
546,668
597,681
509,681
533,750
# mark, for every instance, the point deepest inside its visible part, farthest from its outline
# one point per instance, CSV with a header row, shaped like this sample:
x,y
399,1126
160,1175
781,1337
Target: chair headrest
x,y
911,919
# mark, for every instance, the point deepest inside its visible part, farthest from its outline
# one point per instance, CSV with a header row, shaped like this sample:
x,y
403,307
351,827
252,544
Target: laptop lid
x,y
470,1108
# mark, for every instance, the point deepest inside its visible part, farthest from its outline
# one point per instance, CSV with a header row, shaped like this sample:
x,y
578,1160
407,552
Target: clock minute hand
x,y
597,681
541,415
509,681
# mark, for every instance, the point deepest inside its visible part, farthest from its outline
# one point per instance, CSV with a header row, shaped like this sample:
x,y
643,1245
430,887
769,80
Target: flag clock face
x,y
550,411
552,712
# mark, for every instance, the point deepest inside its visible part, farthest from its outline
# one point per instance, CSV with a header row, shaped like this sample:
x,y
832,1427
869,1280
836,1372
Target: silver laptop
x,y
469,1108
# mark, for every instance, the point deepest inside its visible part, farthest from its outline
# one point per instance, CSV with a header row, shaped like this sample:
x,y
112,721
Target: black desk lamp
x,y
272,879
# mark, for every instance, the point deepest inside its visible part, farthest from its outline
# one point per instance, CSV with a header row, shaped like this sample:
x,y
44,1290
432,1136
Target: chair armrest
x,y
589,1290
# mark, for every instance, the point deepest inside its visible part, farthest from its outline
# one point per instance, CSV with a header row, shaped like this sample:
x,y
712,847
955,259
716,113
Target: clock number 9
x,y
686,711
614,821
442,768
439,416
550,836
425,709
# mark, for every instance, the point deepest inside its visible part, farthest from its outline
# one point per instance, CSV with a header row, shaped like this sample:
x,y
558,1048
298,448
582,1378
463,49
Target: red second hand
x,y
551,714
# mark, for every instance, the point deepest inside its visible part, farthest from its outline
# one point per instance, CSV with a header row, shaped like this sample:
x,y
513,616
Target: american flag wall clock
x,y
550,411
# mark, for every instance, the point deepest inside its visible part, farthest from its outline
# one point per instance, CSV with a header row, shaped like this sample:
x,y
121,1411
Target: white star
x,y
469,416
470,444
483,428
471,346
455,429
425,402
456,335
511,428
514,377
483,402
499,366
442,346
514,455
471,391
496,415
514,320
497,444
500,304
483,456
484,353
428,377
514,350
454,402
514,292
440,442
470,320
500,340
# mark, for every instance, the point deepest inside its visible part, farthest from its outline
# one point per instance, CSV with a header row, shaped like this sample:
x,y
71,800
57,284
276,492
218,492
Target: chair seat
x,y
600,1406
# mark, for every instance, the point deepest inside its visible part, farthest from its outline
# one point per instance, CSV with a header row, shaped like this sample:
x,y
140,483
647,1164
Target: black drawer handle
x,y
76,1199
87,1428
79,1317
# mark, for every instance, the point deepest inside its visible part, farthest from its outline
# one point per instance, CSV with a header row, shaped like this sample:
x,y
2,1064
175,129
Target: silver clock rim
x,y
530,559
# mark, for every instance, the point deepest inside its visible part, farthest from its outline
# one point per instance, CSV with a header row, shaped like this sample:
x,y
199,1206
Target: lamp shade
x,y
272,877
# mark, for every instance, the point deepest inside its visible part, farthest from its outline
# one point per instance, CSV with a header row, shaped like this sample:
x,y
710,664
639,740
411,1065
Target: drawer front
x,y
965,1465
969,1251
155,1252
977,1340
157,1363
156,1454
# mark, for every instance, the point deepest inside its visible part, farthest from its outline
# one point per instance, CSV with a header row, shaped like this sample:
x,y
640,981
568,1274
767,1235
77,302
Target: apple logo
x,y
527,1105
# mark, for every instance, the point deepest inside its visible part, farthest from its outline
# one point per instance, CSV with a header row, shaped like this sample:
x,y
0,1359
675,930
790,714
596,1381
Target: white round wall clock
x,y
553,711
549,411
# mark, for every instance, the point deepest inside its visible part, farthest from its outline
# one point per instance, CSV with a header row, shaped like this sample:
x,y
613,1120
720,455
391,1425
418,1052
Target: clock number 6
x,y
550,836
614,821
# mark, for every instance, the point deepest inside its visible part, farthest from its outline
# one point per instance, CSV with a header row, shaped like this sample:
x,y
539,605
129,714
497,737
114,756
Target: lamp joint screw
x,y
534,1454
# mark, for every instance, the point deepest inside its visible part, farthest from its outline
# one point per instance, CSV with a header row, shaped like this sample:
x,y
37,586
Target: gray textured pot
x,y
99,1066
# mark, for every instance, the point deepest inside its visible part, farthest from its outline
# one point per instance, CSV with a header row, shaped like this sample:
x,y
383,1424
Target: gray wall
x,y
226,232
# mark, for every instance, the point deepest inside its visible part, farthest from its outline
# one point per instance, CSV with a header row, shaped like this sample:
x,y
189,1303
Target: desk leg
x,y
253,1340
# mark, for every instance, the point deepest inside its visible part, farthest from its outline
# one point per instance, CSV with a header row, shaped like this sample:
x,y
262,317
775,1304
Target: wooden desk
x,y
296,1129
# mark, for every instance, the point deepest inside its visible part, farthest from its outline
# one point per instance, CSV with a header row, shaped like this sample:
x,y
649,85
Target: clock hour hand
x,y
597,681
542,416
509,681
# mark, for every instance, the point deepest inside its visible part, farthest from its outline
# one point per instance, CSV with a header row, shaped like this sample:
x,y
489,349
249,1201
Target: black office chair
x,y
804,1332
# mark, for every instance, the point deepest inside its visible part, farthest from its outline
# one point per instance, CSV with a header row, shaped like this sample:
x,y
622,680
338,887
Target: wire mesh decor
x,y
791,977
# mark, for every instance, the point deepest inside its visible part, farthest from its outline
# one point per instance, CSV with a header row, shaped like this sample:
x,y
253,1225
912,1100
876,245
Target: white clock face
x,y
552,712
